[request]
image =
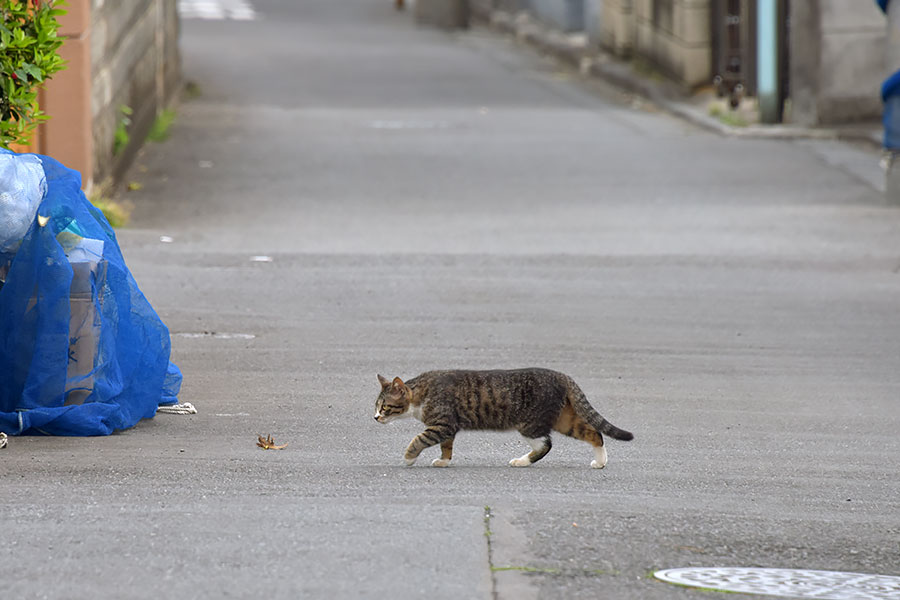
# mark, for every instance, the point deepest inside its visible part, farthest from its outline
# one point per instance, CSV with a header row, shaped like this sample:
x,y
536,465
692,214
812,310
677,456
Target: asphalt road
x,y
430,200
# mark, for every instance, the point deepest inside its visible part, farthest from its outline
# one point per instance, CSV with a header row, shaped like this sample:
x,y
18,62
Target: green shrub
x,y
121,136
160,130
28,56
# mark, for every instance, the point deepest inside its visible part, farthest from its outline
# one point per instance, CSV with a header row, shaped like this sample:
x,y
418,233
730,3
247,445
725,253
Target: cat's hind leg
x,y
446,454
574,426
540,446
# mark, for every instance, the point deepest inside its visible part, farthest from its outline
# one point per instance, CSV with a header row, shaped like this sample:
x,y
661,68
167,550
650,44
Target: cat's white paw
x,y
440,462
409,461
599,458
597,464
522,461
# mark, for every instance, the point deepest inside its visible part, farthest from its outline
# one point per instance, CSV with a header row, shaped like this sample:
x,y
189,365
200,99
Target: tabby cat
x,y
531,401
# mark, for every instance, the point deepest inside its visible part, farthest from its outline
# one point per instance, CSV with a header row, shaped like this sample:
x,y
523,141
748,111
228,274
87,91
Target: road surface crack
x,y
487,536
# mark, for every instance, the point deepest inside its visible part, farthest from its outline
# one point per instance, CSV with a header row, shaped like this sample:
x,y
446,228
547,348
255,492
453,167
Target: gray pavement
x,y
434,200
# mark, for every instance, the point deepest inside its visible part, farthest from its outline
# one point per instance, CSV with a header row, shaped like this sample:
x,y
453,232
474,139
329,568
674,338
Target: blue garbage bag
x,y
82,352
890,96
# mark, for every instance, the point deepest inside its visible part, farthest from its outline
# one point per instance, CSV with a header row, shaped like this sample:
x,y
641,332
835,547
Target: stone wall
x,y
135,64
837,61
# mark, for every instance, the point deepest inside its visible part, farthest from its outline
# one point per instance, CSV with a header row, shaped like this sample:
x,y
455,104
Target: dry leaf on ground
x,y
267,443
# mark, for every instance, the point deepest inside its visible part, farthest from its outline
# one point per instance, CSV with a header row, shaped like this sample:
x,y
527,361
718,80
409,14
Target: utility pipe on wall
x,y
767,80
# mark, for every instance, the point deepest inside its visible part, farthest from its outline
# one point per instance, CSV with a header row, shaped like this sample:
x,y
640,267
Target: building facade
x,y
832,52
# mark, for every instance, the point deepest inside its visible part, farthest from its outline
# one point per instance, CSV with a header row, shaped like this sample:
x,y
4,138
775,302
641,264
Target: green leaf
x,y
33,71
29,46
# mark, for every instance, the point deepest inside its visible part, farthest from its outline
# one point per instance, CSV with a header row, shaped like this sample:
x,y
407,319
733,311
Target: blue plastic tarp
x,y
82,352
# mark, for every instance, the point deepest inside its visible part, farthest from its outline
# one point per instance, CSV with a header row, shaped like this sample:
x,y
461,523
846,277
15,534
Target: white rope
x,y
178,409
3,440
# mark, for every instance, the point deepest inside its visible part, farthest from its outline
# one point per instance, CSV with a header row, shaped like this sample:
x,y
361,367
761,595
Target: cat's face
x,y
393,401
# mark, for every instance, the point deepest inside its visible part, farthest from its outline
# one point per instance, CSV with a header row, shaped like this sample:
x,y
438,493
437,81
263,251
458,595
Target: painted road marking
x,y
235,10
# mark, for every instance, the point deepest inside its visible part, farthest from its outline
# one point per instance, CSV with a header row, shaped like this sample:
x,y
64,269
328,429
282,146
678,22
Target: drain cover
x,y
788,583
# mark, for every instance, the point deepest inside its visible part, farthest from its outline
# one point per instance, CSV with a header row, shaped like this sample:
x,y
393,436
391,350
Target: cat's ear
x,y
384,382
398,384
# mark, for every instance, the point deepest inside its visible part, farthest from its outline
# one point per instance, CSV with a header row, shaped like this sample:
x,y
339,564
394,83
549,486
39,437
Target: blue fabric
x,y
891,122
890,118
890,87
883,4
82,352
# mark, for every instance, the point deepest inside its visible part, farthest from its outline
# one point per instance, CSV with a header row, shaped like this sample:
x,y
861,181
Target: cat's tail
x,y
587,412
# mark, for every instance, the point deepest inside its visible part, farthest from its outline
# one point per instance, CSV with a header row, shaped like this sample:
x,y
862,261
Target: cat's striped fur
x,y
532,401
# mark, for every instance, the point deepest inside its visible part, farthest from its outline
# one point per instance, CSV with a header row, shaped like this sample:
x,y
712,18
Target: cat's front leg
x,y
446,454
434,434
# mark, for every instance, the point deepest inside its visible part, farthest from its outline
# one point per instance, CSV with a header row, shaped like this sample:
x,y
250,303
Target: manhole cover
x,y
788,583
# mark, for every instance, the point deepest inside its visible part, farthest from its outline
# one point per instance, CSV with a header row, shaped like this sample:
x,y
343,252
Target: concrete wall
x,y
511,5
672,34
837,61
482,9
617,27
118,53
567,15
675,36
593,13
135,63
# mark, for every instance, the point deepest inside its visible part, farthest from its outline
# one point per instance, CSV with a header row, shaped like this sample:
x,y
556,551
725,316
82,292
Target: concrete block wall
x,y
135,63
837,61
675,36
